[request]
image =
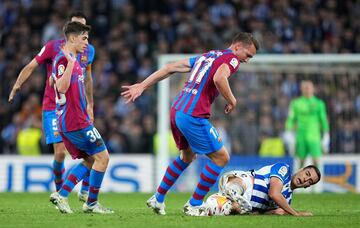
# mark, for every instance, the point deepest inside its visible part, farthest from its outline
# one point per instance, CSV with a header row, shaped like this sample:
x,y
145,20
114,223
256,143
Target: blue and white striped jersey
x,y
260,198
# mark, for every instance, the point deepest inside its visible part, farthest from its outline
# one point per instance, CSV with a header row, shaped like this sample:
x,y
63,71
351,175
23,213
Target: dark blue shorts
x,y
83,142
201,135
50,128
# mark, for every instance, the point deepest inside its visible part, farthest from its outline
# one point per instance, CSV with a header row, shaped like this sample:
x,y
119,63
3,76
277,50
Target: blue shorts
x,y
83,142
50,128
202,137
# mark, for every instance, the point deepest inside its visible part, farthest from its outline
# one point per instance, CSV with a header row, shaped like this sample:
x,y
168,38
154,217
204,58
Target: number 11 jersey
x,y
199,91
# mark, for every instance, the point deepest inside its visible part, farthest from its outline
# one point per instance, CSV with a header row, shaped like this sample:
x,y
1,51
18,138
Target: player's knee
x,y
89,161
59,151
224,159
103,158
187,158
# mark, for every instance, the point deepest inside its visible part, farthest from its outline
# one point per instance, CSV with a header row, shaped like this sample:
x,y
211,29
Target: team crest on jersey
x,y
283,170
61,69
84,59
234,62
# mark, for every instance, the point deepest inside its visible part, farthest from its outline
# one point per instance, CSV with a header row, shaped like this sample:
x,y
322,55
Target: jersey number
x,y
214,132
93,135
54,125
203,70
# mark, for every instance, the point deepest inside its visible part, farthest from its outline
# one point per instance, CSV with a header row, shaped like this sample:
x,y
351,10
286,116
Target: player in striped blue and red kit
x,y
80,137
46,56
191,129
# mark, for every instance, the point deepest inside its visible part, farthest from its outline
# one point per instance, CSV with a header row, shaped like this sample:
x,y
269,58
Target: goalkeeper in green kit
x,y
307,117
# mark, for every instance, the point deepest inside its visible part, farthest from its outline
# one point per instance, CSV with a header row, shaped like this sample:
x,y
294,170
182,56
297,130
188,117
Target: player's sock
x,y
172,173
208,178
85,182
75,175
58,170
96,178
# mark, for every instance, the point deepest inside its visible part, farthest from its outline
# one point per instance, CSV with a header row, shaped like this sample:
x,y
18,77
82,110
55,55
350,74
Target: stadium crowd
x,y
129,35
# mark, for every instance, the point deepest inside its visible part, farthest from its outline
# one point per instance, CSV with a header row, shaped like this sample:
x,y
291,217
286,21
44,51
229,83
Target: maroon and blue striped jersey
x,y
71,110
47,56
199,91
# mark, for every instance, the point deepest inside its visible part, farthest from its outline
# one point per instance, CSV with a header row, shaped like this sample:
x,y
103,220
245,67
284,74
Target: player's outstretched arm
x,y
23,76
222,84
132,92
275,194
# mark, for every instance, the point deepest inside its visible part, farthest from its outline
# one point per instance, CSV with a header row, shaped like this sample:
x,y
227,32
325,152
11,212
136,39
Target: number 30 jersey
x,y
199,91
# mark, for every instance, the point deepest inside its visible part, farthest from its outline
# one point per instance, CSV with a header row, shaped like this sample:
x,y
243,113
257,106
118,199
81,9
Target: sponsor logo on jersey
x,y
188,90
234,62
283,170
81,78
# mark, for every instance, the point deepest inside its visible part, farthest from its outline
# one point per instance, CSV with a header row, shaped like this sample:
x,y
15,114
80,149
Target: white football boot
x,y
245,205
97,209
61,203
200,210
83,196
158,208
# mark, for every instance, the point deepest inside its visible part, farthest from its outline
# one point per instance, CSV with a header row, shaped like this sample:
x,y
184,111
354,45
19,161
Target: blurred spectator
x,y
129,35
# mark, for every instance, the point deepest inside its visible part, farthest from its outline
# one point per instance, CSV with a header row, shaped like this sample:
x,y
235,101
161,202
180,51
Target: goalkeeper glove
x,y
289,139
325,142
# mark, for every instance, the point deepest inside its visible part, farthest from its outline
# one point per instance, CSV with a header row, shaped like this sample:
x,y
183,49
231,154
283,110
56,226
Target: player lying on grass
x,y
265,191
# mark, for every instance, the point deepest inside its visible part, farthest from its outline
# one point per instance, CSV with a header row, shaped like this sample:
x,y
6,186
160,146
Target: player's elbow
x,y
272,195
217,80
169,68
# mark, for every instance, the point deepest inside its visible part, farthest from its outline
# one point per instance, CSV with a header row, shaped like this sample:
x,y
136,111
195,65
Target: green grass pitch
x,y
35,210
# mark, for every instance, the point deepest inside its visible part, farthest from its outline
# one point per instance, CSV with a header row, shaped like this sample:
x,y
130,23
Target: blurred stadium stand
x,y
129,35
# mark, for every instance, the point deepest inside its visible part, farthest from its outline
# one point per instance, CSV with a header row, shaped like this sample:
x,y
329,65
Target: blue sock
x,y
208,178
172,173
58,171
85,183
75,175
96,178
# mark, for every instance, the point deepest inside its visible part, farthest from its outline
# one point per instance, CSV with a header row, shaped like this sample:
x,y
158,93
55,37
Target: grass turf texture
x,y
35,210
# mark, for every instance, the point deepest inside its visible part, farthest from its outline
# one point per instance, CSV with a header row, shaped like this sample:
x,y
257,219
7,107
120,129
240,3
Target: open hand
x,y
132,92
13,92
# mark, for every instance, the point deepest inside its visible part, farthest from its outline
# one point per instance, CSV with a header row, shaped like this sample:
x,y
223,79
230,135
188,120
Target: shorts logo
x,y
283,170
234,62
56,133
61,69
99,142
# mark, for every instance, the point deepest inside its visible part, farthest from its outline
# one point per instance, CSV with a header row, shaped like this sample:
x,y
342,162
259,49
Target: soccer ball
x,y
218,205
